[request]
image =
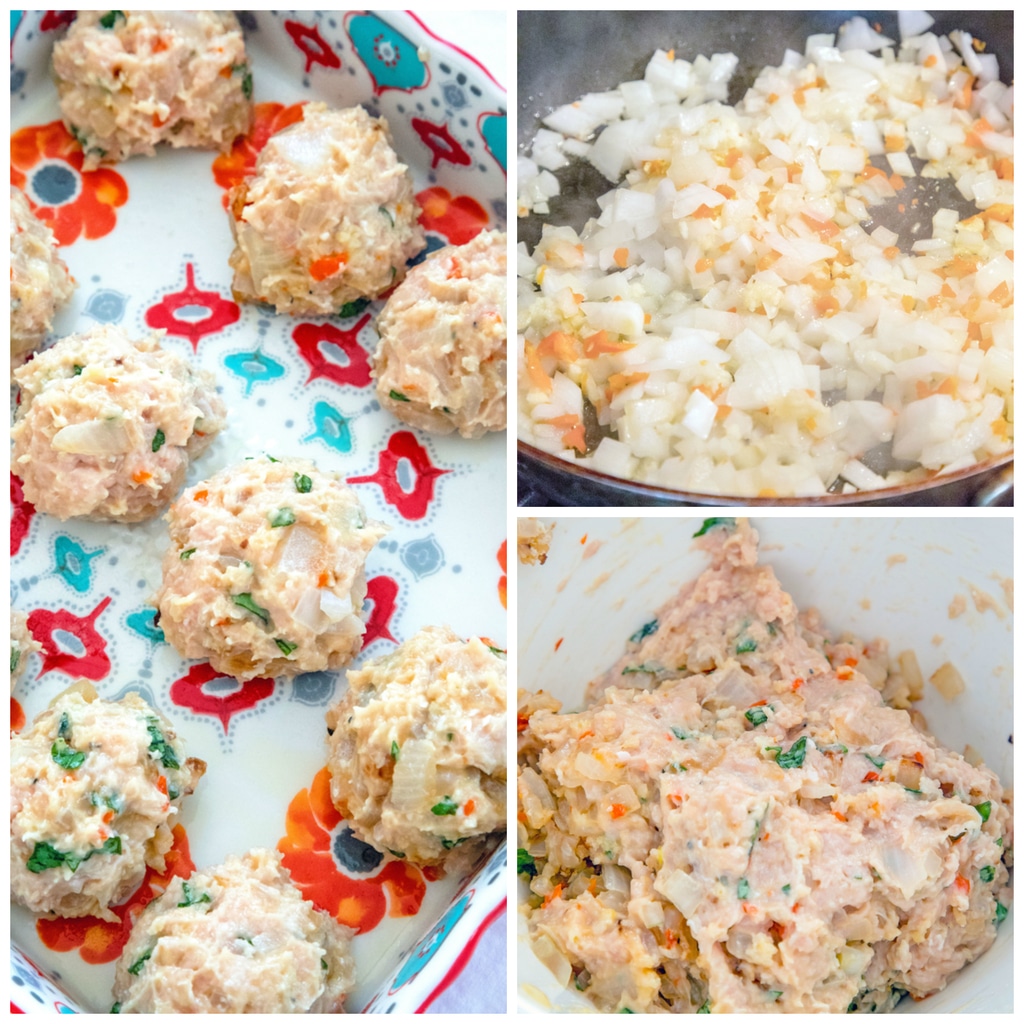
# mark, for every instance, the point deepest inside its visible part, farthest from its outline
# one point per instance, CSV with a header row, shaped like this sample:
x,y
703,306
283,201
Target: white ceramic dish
x,y
148,242
887,577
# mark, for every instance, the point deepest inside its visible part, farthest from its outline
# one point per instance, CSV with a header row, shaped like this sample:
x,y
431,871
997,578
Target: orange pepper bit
x,y
469,807
201,495
962,884
621,257
140,476
553,895
327,266
705,263
600,343
618,810
931,60
534,371
564,347
522,723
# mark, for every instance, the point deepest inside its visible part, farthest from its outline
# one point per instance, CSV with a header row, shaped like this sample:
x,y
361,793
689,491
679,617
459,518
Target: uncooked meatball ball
x,y
131,79
440,363
107,425
95,788
417,754
40,282
329,217
237,938
22,645
264,575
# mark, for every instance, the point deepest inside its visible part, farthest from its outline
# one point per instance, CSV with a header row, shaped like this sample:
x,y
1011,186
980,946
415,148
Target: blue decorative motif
x,y
453,95
423,557
313,688
72,562
422,953
55,184
392,59
434,242
352,855
254,368
18,76
331,427
106,306
143,622
494,129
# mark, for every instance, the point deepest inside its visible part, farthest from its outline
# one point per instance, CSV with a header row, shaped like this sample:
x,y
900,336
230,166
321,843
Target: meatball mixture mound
x,y
108,424
95,788
131,79
237,938
440,363
417,754
264,575
329,217
40,282
22,645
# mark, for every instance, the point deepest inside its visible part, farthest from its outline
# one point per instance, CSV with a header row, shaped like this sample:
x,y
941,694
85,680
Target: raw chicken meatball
x,y
329,217
440,363
237,938
22,645
107,425
131,79
264,575
95,788
417,755
40,281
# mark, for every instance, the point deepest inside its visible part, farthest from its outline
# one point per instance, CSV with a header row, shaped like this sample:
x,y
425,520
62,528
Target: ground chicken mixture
x,y
741,821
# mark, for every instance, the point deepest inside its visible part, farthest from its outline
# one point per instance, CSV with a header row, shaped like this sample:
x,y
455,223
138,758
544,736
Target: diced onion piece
x,y
948,681
681,889
301,550
413,777
334,607
94,437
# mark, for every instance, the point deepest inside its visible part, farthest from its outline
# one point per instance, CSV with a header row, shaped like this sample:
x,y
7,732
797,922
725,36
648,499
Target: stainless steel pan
x,y
563,54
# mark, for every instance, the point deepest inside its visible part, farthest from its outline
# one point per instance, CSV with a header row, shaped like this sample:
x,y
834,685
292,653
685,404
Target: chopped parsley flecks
x,y
190,897
709,524
45,856
245,601
445,807
158,440
187,554
878,762
743,889
1001,913
525,864
355,307
794,757
450,844
111,18
987,873
158,744
395,750
677,732
286,646
282,517
67,757
746,645
140,963
303,484
650,668
984,809
644,631
397,396
756,716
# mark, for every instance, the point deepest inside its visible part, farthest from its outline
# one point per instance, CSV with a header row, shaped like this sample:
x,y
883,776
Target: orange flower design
x,y
503,582
46,164
232,168
458,218
99,942
319,847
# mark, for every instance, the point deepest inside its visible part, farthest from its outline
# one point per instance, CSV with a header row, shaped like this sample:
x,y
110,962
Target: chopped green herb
x,y
705,1007
397,853
187,554
786,888
709,524
448,844
245,601
397,396
159,745
777,750
677,732
987,873
451,736
644,631
525,864
111,18
78,370
172,792
282,517
302,483
756,716
834,748
15,658
395,750
140,963
625,1009
580,986
116,1008
387,213
191,898
771,628
774,995
651,668
999,841
1001,913
286,646
45,856
674,766
743,889
112,802
444,807
746,645
270,458
916,792
324,965
497,652
794,757
67,757
64,729
355,307
158,440
878,762
246,78
984,809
